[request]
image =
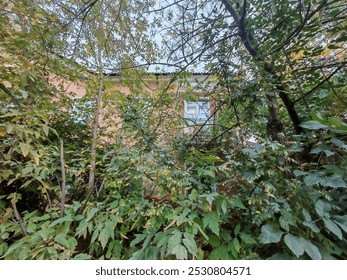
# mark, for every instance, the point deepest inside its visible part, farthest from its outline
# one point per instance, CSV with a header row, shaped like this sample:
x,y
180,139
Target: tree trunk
x,y
92,172
275,128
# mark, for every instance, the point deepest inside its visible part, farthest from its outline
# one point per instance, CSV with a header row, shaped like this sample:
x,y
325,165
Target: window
x,y
196,113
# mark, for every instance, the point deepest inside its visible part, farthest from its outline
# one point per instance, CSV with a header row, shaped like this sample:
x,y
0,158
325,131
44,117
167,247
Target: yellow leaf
x,y
7,84
326,52
35,157
25,147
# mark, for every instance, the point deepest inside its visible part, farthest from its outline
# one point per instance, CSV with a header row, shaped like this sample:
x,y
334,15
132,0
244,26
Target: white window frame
x,y
202,114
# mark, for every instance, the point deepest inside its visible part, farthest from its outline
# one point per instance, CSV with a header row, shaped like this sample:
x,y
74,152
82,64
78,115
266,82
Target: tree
x,y
101,36
261,36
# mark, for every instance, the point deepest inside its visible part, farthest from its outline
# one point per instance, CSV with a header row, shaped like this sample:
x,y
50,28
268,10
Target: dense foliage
x,y
155,193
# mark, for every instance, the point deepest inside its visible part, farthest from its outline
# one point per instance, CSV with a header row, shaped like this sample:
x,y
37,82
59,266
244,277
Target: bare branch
x,y
10,94
18,216
63,179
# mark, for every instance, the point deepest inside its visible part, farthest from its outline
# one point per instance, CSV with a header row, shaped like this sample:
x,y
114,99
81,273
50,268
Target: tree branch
x,y
318,85
10,94
63,178
18,216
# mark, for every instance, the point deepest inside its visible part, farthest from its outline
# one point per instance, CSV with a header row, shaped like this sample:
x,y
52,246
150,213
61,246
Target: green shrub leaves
x,y
270,234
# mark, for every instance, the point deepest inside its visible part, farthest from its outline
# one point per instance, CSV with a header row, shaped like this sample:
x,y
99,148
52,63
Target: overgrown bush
x,y
282,209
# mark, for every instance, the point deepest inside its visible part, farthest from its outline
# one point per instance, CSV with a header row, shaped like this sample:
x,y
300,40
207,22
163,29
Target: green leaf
x,y
201,231
72,243
209,173
334,182
103,237
317,116
312,250
110,230
95,235
322,207
190,244
91,214
61,239
174,240
312,226
117,249
286,219
225,236
147,241
13,248
250,152
214,240
27,170
46,130
247,239
306,215
236,245
314,125
270,234
295,244
138,239
3,246
220,253
82,227
44,234
338,143
53,254
214,226
211,220
83,257
236,202
323,148
210,197
163,241
330,225
298,173
61,220
342,222
180,251
237,229
312,179
224,206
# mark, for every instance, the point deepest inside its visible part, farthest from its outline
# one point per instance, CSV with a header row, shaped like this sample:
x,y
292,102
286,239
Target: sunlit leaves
x,y
25,147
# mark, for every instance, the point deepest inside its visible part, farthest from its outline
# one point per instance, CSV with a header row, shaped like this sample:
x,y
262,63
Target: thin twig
x,y
18,216
98,192
10,94
318,85
63,178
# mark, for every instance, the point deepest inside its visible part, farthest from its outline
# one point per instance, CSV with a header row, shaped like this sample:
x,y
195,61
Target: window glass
x,y
196,113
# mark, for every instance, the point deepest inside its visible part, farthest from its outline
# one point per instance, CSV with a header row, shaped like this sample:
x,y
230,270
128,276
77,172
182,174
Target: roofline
x,y
163,74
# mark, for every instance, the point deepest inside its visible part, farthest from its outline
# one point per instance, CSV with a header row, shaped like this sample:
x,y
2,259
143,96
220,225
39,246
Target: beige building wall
x,y
167,119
